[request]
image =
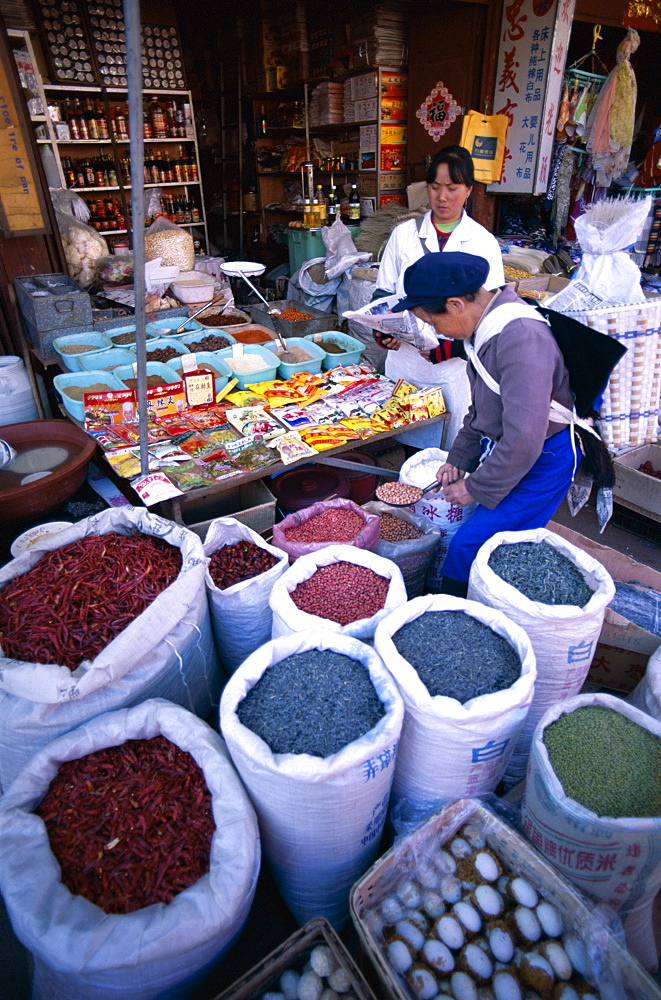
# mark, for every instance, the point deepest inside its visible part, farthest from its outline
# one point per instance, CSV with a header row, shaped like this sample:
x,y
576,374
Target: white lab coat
x,y
403,249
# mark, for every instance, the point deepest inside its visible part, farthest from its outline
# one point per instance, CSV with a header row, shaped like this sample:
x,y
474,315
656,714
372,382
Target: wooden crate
x,y
251,503
635,489
293,954
517,855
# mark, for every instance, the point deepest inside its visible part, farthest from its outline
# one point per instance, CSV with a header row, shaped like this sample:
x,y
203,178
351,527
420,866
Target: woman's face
x,y
446,198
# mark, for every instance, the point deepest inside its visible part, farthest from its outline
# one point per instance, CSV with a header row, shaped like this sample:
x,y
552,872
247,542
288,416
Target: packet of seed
x,y
199,446
291,447
208,418
189,477
254,420
165,400
361,426
255,456
127,463
403,388
168,454
106,437
176,425
109,407
435,401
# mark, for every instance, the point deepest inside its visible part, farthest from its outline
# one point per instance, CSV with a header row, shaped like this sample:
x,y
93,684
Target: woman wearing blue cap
x,y
514,445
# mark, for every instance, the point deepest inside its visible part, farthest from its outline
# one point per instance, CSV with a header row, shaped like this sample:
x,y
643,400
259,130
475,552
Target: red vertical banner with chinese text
x,y
534,36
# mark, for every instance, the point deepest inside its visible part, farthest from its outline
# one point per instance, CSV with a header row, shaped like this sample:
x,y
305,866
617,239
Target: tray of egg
x,y
464,908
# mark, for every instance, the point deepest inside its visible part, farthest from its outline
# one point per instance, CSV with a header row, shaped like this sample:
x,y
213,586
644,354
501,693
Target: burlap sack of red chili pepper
x,y
107,613
241,573
82,952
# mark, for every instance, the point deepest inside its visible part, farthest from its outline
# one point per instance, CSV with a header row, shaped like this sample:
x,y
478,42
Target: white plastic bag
x,y
166,652
448,750
341,251
452,379
614,860
83,953
413,555
83,248
240,614
321,818
563,637
647,693
420,470
312,293
365,539
288,618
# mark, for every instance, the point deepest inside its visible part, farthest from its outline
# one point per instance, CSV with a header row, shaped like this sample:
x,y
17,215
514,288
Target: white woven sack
x,y
450,376
420,470
241,614
647,693
320,818
413,555
563,637
448,750
81,952
288,618
617,861
166,652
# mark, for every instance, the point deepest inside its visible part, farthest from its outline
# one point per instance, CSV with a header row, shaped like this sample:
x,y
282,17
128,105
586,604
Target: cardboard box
x,y
637,488
623,650
251,503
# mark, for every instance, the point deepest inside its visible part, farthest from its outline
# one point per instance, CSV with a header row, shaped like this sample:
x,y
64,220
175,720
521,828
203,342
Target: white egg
x,y
339,980
450,888
577,954
374,922
474,835
392,910
438,955
329,994
460,848
501,944
427,876
416,918
527,924
536,971
478,961
422,982
273,996
289,984
309,986
487,866
433,903
488,900
468,916
463,987
450,932
411,934
523,892
399,956
408,892
550,919
445,863
557,958
505,986
322,960
566,992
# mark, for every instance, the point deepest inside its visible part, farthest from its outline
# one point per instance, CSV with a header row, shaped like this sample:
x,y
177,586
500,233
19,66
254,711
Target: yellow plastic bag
x,y
484,138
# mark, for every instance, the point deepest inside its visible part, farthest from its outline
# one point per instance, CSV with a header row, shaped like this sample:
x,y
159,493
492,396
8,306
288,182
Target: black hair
x,y
459,164
440,307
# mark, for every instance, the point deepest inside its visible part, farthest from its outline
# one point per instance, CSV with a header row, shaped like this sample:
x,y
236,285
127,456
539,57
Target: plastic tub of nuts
x,y
281,972
519,927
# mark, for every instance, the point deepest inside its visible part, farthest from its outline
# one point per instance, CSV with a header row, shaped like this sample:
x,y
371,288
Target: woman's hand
x,y
447,474
457,493
386,341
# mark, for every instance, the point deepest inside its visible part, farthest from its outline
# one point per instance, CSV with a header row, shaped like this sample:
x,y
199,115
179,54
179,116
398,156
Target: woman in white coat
x,y
446,226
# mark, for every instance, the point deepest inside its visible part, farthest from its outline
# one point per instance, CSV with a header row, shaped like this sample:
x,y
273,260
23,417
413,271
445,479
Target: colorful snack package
x,y
291,447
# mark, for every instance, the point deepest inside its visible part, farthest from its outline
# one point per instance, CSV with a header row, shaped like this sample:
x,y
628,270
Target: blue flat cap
x,y
440,276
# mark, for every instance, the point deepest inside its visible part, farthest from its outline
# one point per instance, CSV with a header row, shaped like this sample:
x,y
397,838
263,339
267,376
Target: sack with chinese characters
x,y
484,138
647,694
616,861
563,636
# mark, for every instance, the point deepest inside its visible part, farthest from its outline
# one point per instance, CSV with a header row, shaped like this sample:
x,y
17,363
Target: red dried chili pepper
x,y
239,561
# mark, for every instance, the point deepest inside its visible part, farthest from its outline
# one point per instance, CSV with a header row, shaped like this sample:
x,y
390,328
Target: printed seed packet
x,y
403,388
291,447
199,446
208,418
127,463
176,425
254,420
168,454
109,408
255,455
189,477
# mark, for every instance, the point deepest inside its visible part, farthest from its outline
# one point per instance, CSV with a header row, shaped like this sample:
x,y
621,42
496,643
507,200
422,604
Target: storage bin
x,y
206,358
122,331
635,487
152,367
160,343
297,328
71,359
248,378
305,244
188,339
317,358
107,360
75,407
50,305
251,503
351,348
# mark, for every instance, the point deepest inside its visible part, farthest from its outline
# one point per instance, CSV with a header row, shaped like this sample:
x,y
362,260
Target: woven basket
x,y
630,410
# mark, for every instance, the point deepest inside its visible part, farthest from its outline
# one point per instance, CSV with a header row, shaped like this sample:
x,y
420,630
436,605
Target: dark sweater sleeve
x,y
447,349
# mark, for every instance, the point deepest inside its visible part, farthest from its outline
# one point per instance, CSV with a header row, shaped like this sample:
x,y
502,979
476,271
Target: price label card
x,y
188,362
200,388
237,350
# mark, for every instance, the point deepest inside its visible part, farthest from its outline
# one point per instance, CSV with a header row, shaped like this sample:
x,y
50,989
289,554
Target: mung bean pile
x,y
342,592
606,762
314,702
541,573
457,656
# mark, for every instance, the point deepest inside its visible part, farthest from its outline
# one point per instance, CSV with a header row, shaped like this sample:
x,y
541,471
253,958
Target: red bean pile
x,y
342,592
130,825
396,529
237,562
333,525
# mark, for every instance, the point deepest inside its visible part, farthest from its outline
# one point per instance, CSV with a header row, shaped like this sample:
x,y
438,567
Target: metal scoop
x,y
207,305
413,493
287,357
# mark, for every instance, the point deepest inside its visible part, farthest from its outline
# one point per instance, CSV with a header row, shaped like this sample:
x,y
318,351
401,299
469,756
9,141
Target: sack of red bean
x,y
329,522
340,588
106,613
312,722
81,950
409,540
240,576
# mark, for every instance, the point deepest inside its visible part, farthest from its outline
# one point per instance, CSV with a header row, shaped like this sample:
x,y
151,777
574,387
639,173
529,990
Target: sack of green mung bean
x,y
82,632
105,948
647,694
466,674
240,577
592,806
558,594
409,540
312,722
339,588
